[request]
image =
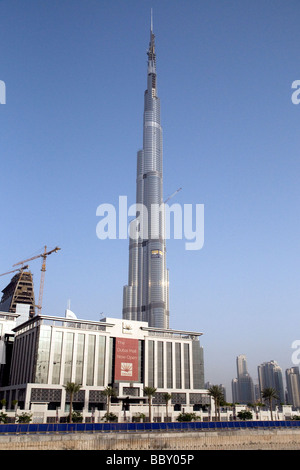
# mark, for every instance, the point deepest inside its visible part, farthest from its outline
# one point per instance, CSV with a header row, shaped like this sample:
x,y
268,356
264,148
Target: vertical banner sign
x,y
127,360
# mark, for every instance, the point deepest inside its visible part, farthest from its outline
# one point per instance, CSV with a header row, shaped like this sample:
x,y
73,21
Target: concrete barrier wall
x,y
279,439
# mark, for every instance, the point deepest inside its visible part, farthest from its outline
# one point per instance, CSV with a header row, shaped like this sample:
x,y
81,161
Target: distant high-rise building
x,y
293,386
241,365
246,389
146,297
235,391
257,396
270,376
242,387
19,291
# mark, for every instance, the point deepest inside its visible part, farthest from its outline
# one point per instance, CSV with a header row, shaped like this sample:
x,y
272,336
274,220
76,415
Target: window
x,y
68,357
198,369
42,363
56,364
151,363
101,360
186,365
79,358
90,360
160,364
169,366
178,364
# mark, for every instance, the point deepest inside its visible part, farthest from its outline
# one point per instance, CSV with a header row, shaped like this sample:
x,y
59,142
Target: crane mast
x,y
43,270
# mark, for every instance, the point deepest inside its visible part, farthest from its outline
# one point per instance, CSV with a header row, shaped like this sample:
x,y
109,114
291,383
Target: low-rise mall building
x,y
46,352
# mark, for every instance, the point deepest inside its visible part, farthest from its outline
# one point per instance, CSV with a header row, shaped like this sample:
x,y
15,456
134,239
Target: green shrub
x,y
110,417
187,417
244,415
3,418
77,417
24,418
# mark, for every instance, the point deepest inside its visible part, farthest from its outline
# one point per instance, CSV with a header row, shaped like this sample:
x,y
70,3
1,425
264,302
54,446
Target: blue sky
x,y
75,75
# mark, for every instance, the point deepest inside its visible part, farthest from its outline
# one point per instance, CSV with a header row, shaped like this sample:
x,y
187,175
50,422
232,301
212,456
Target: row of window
x,y
56,357
70,351
181,377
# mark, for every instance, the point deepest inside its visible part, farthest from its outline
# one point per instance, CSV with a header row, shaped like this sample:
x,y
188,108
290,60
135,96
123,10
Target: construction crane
x,y
172,195
44,256
20,269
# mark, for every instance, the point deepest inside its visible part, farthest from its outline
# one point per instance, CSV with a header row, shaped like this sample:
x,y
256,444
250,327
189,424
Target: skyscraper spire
x,y
151,50
146,297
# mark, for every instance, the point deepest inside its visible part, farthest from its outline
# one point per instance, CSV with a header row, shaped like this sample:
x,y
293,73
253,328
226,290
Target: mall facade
x,y
46,352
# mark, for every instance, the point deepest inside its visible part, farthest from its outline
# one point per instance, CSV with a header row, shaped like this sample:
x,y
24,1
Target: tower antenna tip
x,y
151,23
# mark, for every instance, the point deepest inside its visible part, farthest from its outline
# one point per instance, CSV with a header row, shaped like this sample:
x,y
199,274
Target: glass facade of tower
x,y
146,297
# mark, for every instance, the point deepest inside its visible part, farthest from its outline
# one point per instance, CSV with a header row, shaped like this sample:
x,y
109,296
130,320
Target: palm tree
x,y
72,388
149,391
167,397
108,392
269,394
216,392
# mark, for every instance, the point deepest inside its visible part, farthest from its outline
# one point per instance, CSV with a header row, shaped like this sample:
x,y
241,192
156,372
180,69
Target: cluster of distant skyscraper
x,y
269,376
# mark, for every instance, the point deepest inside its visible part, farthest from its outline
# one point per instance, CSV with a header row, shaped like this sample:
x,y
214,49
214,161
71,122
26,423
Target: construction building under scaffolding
x,y
20,290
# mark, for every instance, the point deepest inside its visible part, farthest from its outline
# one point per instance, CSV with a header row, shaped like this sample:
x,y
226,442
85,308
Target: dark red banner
x,y
127,360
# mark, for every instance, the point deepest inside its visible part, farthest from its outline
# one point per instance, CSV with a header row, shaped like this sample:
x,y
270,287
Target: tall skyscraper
x,y
242,386
146,297
293,386
270,376
241,365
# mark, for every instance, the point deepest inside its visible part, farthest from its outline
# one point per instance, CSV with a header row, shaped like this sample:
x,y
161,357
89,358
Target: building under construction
x,y
20,290
19,293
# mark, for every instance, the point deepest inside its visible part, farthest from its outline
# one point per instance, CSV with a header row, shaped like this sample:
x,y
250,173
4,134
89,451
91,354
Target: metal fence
x,y
143,427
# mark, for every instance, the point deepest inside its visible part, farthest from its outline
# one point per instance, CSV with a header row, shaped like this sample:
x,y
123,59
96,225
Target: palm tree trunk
x,y
150,418
71,405
271,409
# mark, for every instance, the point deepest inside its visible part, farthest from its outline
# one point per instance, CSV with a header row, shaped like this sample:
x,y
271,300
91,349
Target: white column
x,y
165,363
63,354
182,366
174,364
155,362
191,366
146,362
106,360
